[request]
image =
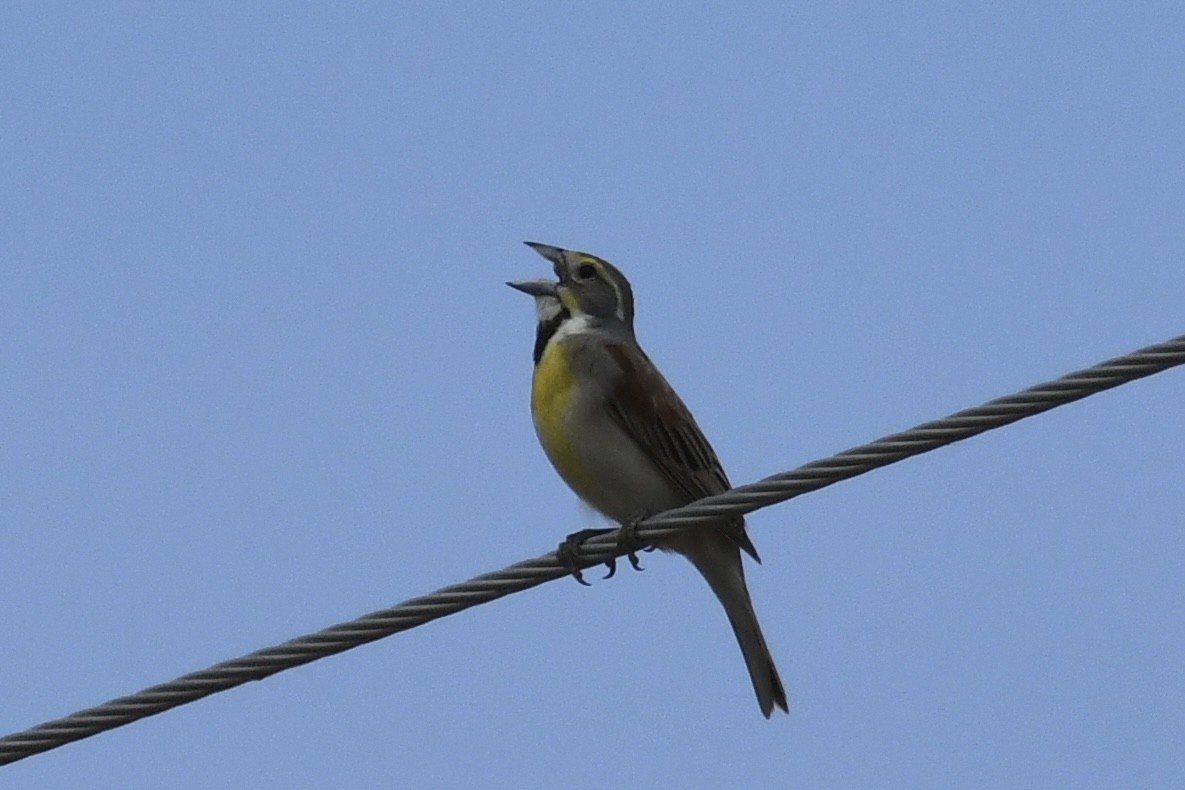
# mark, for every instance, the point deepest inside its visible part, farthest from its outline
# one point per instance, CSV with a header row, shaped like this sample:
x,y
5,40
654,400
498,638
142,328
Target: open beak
x,y
536,287
553,254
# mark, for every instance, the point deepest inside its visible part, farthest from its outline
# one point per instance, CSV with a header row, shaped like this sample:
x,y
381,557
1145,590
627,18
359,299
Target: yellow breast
x,y
553,388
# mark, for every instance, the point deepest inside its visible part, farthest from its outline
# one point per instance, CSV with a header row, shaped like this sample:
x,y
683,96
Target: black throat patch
x,y
545,330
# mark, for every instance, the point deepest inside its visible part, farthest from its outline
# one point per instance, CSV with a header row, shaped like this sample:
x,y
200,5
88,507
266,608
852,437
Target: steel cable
x,y
533,572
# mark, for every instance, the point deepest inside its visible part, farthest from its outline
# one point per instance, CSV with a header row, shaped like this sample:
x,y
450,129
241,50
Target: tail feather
x,y
762,672
719,561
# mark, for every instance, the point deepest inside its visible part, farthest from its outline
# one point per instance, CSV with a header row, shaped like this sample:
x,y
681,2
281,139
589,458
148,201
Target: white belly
x,y
617,479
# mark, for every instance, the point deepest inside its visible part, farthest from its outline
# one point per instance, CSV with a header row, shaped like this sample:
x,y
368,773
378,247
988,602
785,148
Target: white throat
x,y
573,326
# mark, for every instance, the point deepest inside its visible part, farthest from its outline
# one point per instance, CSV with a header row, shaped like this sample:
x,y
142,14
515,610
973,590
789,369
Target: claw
x,y
566,553
627,539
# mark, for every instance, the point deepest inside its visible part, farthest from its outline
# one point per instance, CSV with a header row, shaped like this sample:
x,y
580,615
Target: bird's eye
x,y
586,272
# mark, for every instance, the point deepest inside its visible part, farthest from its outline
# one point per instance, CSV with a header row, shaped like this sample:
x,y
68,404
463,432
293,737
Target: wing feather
x,y
647,408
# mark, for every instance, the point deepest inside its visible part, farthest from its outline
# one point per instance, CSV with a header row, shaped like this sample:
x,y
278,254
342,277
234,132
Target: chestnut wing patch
x,y
650,412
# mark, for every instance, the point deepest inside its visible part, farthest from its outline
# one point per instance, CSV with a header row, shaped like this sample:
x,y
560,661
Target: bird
x,y
625,443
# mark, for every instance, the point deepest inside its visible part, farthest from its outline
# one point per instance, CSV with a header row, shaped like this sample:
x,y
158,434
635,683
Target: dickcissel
x,y
623,441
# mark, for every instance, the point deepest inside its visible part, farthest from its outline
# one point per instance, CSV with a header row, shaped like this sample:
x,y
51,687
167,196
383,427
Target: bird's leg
x,y
567,551
627,540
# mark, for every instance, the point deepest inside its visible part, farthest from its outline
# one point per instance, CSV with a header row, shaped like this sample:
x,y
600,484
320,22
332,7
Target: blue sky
x,y
260,375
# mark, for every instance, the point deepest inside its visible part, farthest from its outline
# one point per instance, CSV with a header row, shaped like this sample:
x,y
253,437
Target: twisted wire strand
x,y
533,572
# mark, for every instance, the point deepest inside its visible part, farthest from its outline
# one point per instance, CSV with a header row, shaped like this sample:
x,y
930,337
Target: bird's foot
x,y
567,553
627,540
